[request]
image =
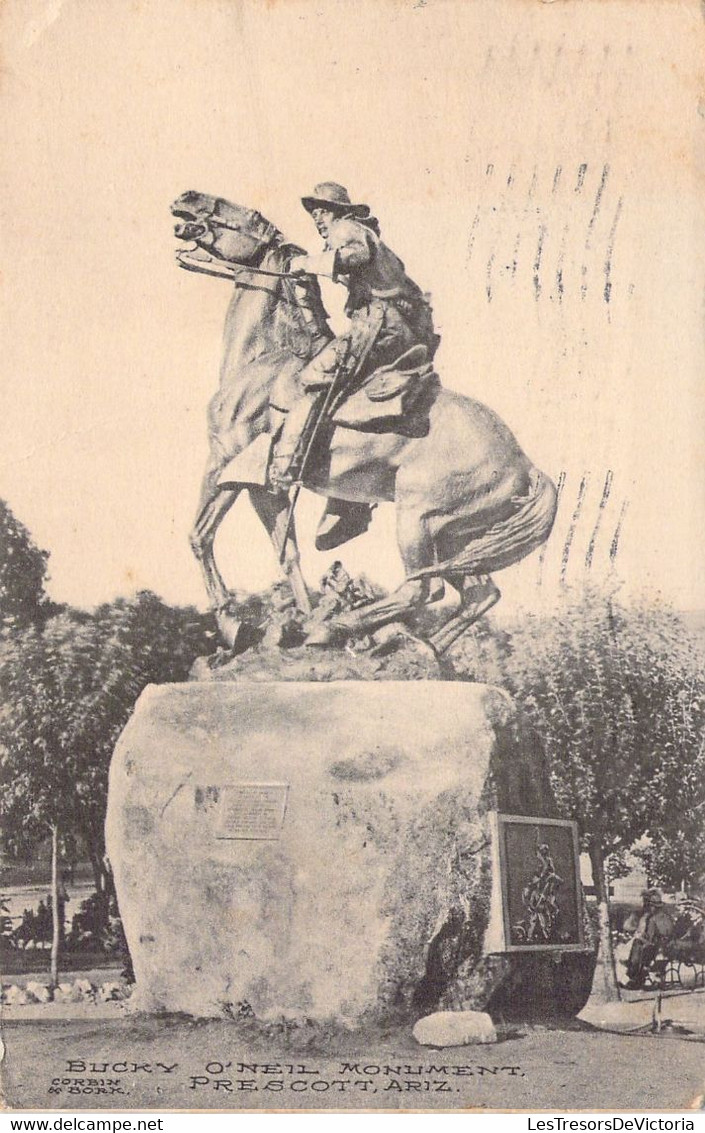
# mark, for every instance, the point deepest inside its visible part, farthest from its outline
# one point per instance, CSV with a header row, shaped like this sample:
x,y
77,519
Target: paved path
x,y
176,1063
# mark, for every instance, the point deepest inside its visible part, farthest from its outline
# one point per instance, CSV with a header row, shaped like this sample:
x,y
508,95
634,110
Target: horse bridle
x,y
268,236
307,315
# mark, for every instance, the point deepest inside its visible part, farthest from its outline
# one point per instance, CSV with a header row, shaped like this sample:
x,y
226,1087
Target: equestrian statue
x,y
360,418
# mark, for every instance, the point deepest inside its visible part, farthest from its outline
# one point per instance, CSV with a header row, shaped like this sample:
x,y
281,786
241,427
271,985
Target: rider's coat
x,y
369,269
376,280
388,312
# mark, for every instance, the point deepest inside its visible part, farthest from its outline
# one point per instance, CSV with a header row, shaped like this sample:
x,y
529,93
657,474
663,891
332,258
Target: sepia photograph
x,y
352,598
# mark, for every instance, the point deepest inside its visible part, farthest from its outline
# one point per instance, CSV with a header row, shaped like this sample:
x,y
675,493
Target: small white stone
x,y
16,996
455,1028
109,991
63,993
82,989
40,993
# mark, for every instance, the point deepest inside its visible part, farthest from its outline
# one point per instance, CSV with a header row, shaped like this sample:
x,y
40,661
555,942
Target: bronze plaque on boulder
x,y
253,811
540,880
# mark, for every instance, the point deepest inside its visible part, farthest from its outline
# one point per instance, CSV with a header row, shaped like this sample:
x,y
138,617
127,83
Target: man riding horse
x,y
467,499
389,317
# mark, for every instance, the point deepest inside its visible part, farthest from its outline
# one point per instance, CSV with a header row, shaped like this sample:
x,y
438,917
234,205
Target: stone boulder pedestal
x,y
323,850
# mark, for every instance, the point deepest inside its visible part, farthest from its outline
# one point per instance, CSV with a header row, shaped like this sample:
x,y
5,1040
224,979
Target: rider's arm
x,y
353,245
349,245
322,264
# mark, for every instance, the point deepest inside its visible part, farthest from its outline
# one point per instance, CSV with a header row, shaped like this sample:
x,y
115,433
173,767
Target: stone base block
x,y
314,850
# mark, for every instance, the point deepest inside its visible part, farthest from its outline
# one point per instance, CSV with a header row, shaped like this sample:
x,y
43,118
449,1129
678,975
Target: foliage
x,y
67,691
618,695
23,570
36,927
618,865
675,855
97,926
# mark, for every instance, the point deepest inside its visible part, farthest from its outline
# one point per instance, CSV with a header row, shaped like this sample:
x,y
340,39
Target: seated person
x,y
654,930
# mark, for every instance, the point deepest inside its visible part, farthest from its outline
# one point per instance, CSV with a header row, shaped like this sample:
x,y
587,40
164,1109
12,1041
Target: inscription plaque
x,y
252,811
540,881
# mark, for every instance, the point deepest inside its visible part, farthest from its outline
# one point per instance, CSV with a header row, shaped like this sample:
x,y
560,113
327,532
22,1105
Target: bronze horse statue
x,y
468,501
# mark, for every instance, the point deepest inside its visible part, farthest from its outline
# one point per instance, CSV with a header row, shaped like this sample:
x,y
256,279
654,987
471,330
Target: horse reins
x,y
218,223
302,275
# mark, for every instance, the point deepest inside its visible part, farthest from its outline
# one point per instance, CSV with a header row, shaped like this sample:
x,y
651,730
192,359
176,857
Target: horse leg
x,y
202,538
478,594
273,511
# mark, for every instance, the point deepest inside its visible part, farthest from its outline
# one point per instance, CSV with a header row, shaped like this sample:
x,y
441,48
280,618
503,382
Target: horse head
x,y
222,232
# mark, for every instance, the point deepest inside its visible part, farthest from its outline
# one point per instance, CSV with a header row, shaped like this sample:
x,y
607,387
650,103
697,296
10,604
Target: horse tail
x,y
509,540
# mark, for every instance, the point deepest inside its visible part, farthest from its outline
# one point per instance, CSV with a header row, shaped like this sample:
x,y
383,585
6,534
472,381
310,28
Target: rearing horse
x,y
468,501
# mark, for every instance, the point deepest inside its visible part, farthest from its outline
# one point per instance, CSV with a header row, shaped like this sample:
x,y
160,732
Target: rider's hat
x,y
655,897
329,195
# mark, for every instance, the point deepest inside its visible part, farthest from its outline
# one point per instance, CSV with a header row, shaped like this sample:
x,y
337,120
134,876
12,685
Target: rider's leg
x,y
373,342
341,520
393,343
287,442
290,442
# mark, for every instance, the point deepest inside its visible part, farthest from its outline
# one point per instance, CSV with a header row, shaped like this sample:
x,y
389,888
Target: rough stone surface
x,y
63,993
455,1028
376,892
82,989
16,996
38,992
394,654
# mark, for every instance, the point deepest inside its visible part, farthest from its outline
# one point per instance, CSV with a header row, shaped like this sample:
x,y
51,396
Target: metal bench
x,y
678,964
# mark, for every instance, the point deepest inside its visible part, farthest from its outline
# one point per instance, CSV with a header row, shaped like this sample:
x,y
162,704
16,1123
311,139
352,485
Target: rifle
x,y
349,365
321,409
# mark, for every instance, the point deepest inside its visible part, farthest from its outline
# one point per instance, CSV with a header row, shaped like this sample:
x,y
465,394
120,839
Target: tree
x,y
674,852
135,642
23,570
618,694
675,858
35,800
67,691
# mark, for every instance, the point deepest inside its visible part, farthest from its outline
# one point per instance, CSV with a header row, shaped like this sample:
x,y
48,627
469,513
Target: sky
x,y
538,167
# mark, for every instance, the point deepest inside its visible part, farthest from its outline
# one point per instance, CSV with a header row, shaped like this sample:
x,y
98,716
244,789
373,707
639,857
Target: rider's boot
x,y
342,520
290,443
